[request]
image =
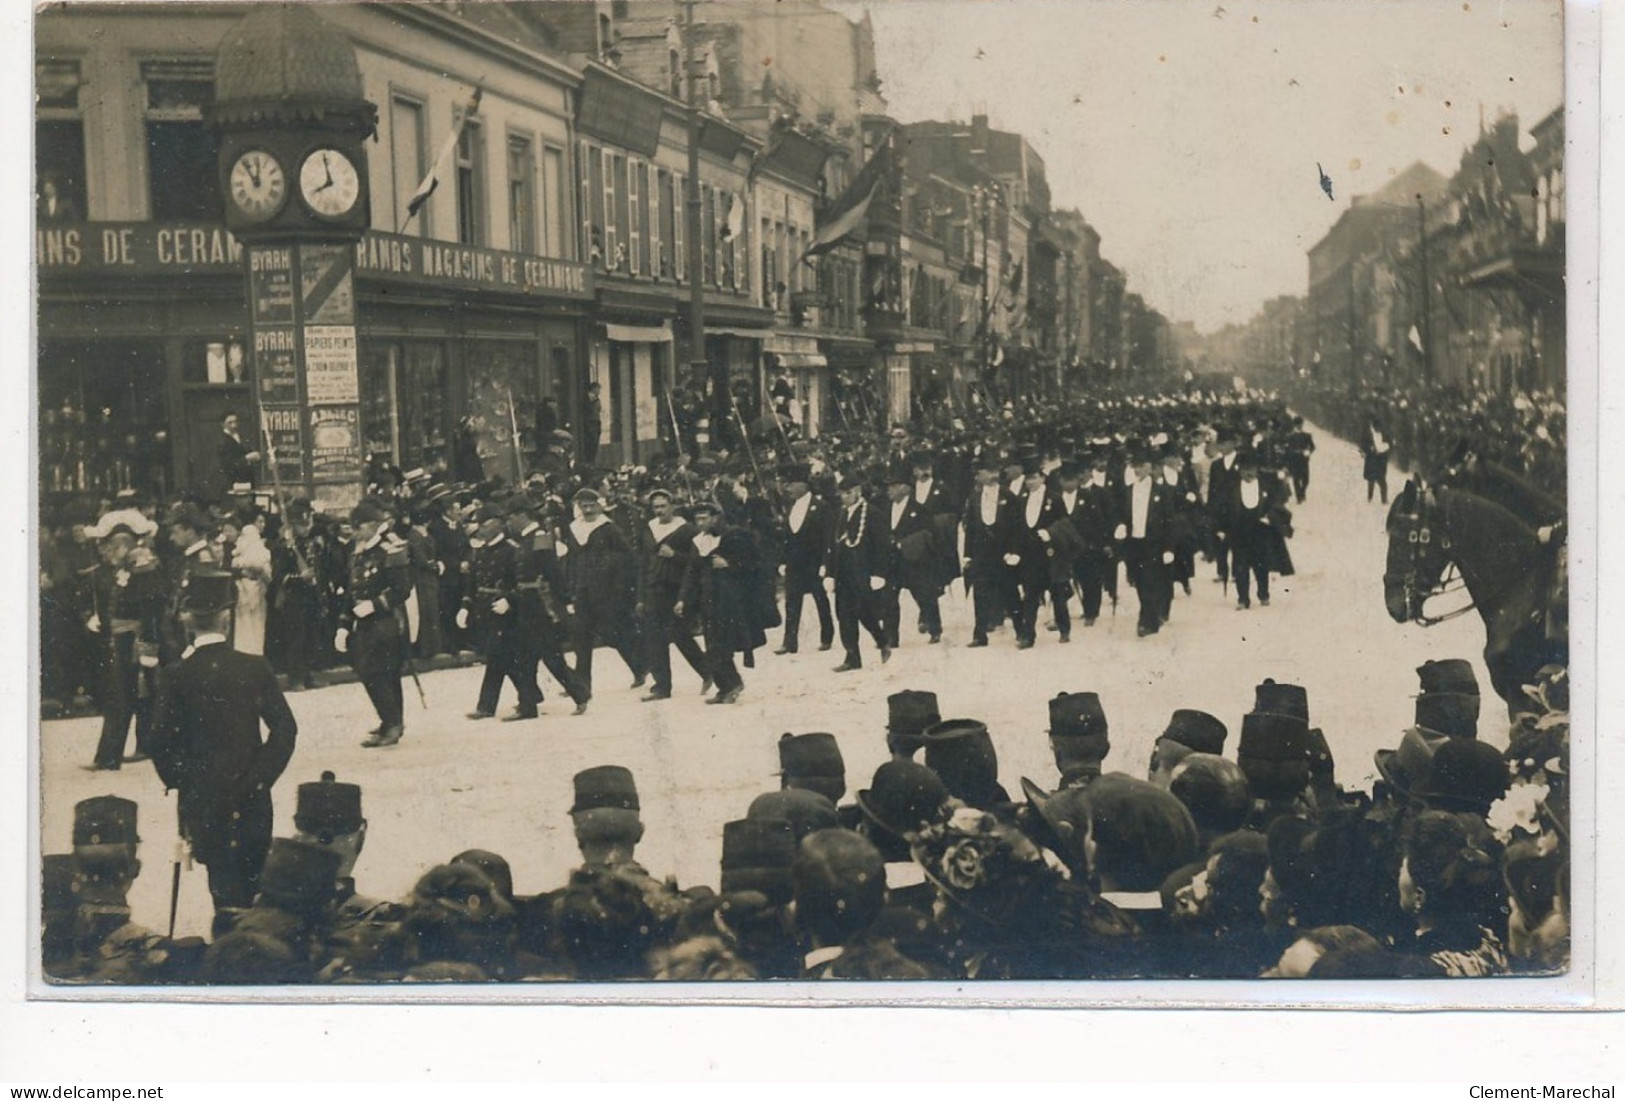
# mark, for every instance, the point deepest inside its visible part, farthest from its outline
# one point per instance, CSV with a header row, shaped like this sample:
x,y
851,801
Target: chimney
x,y
978,132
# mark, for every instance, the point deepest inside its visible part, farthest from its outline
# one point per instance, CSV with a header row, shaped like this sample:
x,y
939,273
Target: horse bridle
x,y
1420,538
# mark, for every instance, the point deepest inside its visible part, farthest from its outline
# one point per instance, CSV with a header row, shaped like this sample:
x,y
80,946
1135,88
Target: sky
x,y
1188,131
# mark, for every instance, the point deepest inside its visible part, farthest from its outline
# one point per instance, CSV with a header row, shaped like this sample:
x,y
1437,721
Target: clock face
x,y
329,183
258,187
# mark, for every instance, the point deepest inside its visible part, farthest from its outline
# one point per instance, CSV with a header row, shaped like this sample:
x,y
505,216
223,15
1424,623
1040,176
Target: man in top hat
x,y
812,762
857,564
1449,701
961,752
1299,446
721,587
372,627
990,554
1147,533
1094,518
936,499
600,576
909,714
126,601
1189,731
207,746
805,536
1037,548
1221,483
1251,511
908,542
1079,737
665,556
236,462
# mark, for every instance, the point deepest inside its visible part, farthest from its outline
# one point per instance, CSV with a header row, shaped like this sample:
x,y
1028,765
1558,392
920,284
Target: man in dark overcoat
x,y
665,555
804,536
721,586
207,745
911,562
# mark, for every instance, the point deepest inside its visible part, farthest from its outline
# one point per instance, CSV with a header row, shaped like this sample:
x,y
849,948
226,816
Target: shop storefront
x,y
632,365
144,348
798,372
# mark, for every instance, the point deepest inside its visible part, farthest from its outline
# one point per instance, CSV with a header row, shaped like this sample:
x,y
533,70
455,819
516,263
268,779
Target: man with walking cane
x,y
207,746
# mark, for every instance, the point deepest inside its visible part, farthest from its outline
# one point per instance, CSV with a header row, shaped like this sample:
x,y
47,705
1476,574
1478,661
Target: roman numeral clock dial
x,y
258,186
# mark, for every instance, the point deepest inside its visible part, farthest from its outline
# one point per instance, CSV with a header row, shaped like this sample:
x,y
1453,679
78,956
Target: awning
x,y
638,334
726,330
801,359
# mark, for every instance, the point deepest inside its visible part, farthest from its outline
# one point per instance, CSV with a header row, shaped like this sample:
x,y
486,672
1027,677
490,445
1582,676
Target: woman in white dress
x,y
251,561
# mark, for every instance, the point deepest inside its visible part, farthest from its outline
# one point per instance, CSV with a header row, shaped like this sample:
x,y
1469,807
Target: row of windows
x,y
631,219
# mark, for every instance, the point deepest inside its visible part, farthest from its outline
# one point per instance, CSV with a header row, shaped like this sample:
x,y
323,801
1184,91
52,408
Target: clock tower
x,y
292,120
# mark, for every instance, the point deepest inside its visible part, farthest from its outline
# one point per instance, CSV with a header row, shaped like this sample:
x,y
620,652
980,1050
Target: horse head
x,y
1418,554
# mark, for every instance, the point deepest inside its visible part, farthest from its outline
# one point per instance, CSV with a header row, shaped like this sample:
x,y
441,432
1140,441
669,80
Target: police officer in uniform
x,y
372,627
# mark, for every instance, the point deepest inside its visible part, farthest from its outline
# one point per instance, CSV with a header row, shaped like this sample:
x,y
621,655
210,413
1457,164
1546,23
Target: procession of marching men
x,y
1260,864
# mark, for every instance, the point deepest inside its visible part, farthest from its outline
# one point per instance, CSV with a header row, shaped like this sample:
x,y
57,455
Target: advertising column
x,y
331,376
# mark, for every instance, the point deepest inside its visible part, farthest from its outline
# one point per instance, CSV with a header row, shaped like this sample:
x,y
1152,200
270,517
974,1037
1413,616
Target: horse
x,y
1510,576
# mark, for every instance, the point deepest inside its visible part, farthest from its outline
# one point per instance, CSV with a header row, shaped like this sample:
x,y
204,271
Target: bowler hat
x,y
104,820
327,807
605,786
370,510
902,797
961,752
1076,714
299,876
1063,818
1214,790
1466,775
1449,675
909,713
813,761
899,473
756,856
1406,767
1196,730
1282,699
806,811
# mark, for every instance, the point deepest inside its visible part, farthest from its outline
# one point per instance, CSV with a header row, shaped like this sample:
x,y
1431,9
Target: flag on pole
x,y
851,208
1415,338
734,224
442,161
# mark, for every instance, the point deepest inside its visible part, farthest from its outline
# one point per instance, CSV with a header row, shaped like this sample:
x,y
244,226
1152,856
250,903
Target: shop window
x,y
521,194
59,143
471,184
502,393
214,362
104,424
555,205
403,402
406,152
182,170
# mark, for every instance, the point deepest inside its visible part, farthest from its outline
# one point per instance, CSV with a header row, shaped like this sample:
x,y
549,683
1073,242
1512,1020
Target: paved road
x,y
454,784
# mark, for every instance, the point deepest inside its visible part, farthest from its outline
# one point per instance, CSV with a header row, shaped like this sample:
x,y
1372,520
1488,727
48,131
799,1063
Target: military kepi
x,y
328,808
104,820
604,787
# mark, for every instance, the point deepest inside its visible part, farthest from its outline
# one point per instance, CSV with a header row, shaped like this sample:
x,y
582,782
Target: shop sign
x,y
331,377
327,289
270,279
136,248
390,257
276,364
285,443
335,444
